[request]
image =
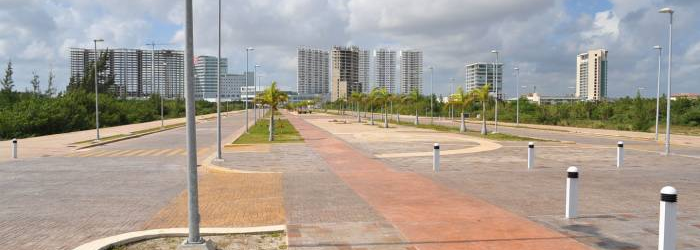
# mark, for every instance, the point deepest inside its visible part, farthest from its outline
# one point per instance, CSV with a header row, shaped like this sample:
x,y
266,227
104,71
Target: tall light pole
x,y
668,90
495,81
452,106
97,99
255,92
658,94
431,93
262,112
247,50
193,237
218,91
162,88
517,96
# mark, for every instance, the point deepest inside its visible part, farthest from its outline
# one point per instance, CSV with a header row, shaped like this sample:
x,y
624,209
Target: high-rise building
x,y
363,70
312,71
479,74
592,75
205,74
231,85
385,69
130,69
345,72
411,71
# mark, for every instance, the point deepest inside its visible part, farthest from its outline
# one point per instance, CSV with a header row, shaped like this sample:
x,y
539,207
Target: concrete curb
x,y
126,238
127,138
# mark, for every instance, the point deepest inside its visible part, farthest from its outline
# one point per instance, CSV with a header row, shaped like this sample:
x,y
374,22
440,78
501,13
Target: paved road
x,y
64,201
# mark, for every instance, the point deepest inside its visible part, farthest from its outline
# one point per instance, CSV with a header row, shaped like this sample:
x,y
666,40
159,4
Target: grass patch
x,y
284,132
496,137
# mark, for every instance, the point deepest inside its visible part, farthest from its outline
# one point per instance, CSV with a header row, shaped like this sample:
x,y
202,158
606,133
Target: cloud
x,y
541,37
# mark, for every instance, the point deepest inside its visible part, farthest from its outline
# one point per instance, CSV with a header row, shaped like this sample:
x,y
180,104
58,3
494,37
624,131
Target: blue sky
x,y
541,37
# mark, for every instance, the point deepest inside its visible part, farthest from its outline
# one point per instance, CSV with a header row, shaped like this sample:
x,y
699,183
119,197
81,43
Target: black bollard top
x,y
436,146
572,172
531,145
620,144
669,194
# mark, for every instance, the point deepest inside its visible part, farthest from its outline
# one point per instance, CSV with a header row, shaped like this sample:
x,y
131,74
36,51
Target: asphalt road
x,y
62,202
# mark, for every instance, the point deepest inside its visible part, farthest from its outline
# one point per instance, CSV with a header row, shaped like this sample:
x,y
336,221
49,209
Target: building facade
x,y
205,76
364,71
479,74
411,70
136,73
312,71
592,75
385,69
345,72
231,85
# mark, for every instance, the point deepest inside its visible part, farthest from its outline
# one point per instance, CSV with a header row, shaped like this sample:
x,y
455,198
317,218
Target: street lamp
x,y
255,93
495,80
97,106
431,94
452,106
658,94
247,50
517,96
218,91
162,88
668,90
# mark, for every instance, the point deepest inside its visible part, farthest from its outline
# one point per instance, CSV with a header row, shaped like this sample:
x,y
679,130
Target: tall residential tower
x,y
385,69
312,71
592,75
345,74
411,71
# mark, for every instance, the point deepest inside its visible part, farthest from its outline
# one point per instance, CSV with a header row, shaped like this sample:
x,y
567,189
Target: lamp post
x,y
262,112
431,94
193,237
452,106
517,96
495,80
658,94
668,90
255,93
218,90
97,106
162,88
247,50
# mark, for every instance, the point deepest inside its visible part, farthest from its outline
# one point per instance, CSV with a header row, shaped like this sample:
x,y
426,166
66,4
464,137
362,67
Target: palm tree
x,y
364,98
482,94
380,96
463,100
273,97
415,97
357,98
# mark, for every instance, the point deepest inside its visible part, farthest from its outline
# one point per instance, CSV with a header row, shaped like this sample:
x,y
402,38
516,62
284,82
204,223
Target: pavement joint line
x,y
126,238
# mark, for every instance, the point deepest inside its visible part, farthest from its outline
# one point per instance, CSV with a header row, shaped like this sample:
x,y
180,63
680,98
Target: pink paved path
x,y
429,215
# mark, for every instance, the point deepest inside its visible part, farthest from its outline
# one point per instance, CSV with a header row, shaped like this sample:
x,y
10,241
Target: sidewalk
x,y
429,215
59,144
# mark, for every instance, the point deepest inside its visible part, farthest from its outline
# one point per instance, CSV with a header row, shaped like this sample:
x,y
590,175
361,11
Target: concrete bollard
x,y
436,157
620,153
530,155
14,148
667,218
571,192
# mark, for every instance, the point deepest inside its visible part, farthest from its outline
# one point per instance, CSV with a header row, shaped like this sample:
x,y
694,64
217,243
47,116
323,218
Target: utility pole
x,y
97,105
218,92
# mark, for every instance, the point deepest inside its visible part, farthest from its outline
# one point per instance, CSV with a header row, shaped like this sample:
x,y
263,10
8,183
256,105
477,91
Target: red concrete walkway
x,y
429,215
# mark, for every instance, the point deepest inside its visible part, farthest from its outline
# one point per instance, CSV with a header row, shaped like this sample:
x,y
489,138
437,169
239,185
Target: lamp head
x,y
249,49
666,10
516,69
494,51
99,40
657,47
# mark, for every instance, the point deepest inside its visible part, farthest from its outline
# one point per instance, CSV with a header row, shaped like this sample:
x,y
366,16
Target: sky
x,y
541,37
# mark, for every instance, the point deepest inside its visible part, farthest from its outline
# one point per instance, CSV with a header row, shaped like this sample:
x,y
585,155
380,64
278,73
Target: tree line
x,y
627,113
34,112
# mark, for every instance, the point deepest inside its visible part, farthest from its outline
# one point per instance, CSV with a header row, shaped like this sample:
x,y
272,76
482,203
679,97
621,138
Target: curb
x,y
126,238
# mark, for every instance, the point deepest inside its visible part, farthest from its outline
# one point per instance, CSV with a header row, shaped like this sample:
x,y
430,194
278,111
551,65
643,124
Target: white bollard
x,y
436,157
571,192
620,153
667,220
530,155
14,148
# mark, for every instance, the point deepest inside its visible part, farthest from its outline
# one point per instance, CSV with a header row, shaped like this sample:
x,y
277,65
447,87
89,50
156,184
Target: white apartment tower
x,y
345,72
363,70
312,71
592,75
385,69
411,71
479,74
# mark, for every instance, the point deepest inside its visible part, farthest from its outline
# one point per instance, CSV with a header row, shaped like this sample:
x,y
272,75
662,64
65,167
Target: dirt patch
x,y
262,241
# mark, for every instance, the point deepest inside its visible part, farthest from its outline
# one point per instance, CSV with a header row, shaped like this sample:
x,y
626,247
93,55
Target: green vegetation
x,y
259,133
35,113
272,97
491,136
628,113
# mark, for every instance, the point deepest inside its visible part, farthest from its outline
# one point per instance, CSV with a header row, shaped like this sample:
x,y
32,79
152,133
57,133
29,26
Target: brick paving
x,y
228,200
429,214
